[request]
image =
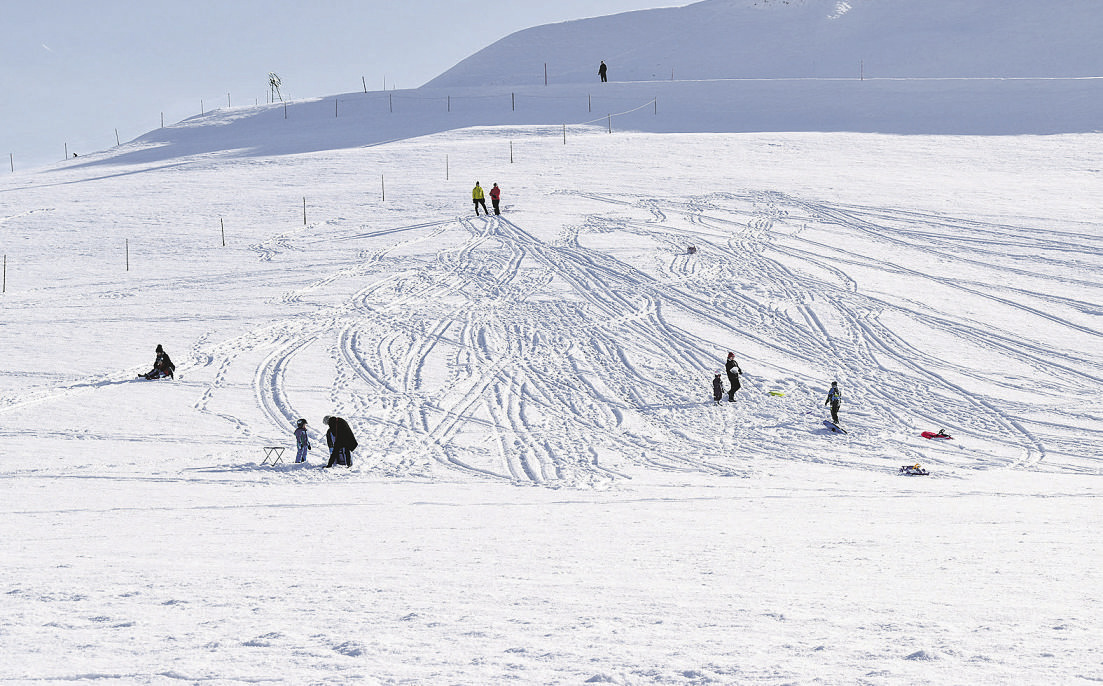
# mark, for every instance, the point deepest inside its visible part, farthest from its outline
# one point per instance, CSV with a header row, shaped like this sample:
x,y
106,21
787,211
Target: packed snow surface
x,y
544,490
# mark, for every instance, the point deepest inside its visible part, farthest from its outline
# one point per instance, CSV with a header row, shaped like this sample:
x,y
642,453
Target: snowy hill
x,y
545,491
724,39
943,67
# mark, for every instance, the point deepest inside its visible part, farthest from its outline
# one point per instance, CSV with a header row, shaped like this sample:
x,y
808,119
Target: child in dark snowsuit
x,y
302,442
717,388
835,400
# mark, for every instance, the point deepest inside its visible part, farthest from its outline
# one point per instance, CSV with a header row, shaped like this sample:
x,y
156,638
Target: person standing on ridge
x,y
341,441
495,197
479,199
733,370
603,71
302,442
835,400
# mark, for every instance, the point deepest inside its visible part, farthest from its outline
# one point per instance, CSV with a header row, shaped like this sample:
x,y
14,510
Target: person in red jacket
x,y
495,197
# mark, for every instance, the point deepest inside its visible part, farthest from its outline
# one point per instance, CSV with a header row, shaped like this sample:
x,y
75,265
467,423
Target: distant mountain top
x,y
801,38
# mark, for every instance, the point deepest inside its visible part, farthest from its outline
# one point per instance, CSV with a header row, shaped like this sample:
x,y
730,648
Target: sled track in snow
x,y
489,352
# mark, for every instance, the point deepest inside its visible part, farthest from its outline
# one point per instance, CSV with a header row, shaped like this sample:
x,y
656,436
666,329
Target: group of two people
x,y
339,438
731,368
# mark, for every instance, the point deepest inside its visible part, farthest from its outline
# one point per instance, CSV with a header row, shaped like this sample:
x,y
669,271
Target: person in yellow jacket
x,y
477,196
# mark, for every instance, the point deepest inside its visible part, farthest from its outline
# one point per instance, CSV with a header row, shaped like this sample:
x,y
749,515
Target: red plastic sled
x,y
931,434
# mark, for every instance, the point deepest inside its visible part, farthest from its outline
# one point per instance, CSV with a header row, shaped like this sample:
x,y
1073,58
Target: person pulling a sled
x,y
835,400
162,366
733,370
340,440
302,441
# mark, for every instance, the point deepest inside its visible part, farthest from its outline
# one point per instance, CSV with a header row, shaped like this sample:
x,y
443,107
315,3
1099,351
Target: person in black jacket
x,y
603,72
341,441
717,388
733,370
835,400
162,365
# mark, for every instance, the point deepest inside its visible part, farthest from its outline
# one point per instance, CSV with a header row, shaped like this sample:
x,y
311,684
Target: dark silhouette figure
x,y
162,366
603,72
835,400
733,370
340,440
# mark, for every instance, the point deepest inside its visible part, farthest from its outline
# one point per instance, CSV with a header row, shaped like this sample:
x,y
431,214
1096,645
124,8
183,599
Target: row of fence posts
x,y
222,223
390,99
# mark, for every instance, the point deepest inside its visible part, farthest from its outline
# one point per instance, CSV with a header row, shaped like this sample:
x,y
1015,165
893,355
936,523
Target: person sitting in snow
x,y
302,442
162,365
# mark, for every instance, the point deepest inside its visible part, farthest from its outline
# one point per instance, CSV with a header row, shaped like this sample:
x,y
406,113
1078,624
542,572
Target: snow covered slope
x,y
721,39
544,491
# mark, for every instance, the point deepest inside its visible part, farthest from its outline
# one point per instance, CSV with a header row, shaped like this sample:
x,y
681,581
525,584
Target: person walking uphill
x,y
340,440
834,399
495,198
479,199
603,72
733,370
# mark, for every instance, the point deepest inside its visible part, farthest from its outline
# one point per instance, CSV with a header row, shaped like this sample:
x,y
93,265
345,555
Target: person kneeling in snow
x,y
162,366
340,440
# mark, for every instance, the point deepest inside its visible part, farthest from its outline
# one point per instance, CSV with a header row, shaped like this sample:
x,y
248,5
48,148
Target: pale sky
x,y
73,71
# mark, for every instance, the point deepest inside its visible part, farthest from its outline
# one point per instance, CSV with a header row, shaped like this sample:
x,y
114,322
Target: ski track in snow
x,y
478,349
545,376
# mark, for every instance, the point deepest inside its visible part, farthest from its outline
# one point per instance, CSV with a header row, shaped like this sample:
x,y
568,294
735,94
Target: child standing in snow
x,y
835,400
717,388
301,441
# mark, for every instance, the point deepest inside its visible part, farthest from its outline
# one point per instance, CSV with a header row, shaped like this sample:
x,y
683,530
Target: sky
x,y
77,76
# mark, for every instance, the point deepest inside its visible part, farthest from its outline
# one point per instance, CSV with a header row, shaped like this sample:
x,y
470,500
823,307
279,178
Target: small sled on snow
x,y
913,470
941,435
835,428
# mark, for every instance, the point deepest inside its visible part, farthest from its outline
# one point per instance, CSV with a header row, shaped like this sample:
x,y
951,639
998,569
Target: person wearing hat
x,y
717,388
302,441
835,400
496,198
479,199
340,440
162,365
733,370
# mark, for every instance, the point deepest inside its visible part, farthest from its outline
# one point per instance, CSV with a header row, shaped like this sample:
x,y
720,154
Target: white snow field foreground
x,y
544,491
